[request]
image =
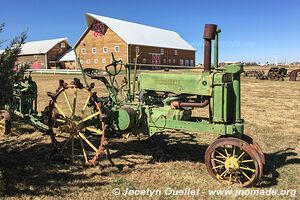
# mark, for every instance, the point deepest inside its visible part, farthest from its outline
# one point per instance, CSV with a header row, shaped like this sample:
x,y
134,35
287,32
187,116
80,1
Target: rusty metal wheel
x,y
256,146
234,161
252,142
74,119
5,124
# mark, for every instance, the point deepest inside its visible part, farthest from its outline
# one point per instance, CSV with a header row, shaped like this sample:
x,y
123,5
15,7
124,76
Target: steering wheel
x,y
114,63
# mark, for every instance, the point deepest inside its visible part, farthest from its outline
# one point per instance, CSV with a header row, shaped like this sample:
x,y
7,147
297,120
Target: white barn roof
x,y
138,34
40,47
68,56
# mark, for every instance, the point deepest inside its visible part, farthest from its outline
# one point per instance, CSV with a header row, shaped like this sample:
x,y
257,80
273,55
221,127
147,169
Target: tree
x,y
10,73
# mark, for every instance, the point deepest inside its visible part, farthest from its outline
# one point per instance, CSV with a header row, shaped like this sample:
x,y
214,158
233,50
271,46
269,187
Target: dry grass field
x,y
175,159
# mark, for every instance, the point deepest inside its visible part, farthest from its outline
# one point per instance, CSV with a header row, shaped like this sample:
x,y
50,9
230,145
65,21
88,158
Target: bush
x,y
10,73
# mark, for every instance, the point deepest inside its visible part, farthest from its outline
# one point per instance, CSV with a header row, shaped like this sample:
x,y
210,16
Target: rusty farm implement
x,y
80,122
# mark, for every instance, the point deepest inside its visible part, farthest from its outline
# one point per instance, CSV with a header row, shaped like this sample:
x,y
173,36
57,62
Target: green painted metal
x,y
194,84
155,111
216,49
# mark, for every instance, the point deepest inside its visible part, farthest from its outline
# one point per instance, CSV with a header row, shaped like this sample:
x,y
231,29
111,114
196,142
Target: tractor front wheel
x,y
234,161
5,125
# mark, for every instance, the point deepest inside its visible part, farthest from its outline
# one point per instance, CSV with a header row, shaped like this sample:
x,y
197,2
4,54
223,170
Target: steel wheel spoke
x,y
220,154
74,101
224,173
218,166
233,151
230,177
83,150
88,142
60,120
59,109
64,146
244,161
218,160
246,175
227,154
95,130
240,156
72,148
85,106
68,101
90,117
247,168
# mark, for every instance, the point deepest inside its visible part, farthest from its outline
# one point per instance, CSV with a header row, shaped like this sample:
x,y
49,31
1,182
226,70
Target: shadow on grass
x,y
276,160
28,170
163,148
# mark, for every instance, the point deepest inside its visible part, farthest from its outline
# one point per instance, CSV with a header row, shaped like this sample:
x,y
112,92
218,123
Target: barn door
x,y
35,65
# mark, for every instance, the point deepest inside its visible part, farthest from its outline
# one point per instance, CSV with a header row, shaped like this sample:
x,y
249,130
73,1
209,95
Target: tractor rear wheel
x,y
234,161
5,124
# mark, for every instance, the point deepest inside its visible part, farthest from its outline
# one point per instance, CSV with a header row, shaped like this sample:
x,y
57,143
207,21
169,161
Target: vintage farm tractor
x,y
80,122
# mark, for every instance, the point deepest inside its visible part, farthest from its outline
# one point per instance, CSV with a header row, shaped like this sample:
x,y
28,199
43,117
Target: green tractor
x,y
154,102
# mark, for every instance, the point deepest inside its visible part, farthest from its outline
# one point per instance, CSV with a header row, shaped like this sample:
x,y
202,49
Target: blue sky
x,y
254,30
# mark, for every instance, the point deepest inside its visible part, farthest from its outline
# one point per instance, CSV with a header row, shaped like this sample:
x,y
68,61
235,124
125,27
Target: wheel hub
x,y
232,163
69,127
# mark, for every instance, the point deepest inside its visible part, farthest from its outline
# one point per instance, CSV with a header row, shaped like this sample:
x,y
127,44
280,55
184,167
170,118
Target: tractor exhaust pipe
x,y
209,35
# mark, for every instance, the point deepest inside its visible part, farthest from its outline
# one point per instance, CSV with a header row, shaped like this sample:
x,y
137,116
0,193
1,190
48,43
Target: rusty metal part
x,y
294,74
101,149
276,73
233,160
209,35
178,104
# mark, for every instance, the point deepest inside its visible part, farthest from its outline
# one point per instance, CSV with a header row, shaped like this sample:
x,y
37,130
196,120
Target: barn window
x,y
181,62
105,50
103,60
96,61
175,52
83,51
192,62
186,63
117,48
165,61
162,51
137,49
174,60
35,57
144,60
62,45
169,61
134,60
94,50
88,61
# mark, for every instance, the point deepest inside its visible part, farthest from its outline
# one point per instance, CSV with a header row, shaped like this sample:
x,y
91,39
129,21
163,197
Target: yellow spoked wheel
x,y
5,125
234,161
74,121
